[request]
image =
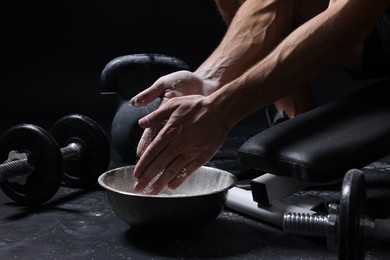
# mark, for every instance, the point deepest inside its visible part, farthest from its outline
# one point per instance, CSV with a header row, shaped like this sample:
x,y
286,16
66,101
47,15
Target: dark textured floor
x,y
80,224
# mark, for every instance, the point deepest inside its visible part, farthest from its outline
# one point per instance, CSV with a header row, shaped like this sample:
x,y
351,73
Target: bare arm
x,y
257,27
301,56
253,32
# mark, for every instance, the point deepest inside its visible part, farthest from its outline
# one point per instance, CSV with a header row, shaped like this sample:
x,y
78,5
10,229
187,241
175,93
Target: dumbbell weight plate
x,y
45,180
95,156
352,208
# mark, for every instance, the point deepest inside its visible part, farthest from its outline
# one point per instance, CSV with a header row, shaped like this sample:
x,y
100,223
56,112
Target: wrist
x,y
210,83
241,97
223,101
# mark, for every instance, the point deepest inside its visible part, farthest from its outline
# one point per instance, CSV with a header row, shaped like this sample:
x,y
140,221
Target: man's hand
x,y
193,130
180,83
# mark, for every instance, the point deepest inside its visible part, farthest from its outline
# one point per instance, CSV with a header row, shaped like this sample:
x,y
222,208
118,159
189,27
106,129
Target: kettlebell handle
x,y
109,78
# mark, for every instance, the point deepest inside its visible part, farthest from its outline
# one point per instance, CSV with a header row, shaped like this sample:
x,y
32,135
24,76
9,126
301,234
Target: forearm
x,y
300,57
252,34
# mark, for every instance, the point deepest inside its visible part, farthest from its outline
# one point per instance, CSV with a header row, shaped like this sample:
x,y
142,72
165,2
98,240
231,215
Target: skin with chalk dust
x,y
166,191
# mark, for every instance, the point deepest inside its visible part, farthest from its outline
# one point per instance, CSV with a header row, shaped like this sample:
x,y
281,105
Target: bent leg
x,y
296,102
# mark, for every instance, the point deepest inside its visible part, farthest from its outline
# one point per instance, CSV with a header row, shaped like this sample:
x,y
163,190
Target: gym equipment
x,y
313,149
86,149
31,151
37,155
346,225
321,145
109,78
125,131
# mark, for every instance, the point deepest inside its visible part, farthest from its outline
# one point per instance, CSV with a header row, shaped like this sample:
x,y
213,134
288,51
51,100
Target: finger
x,y
159,154
147,137
176,172
158,117
184,174
178,169
148,95
147,166
150,173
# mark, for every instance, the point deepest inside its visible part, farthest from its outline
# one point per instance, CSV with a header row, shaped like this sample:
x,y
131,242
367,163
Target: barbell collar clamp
x,y
17,165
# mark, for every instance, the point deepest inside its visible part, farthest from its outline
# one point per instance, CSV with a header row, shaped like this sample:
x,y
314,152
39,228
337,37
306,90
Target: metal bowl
x,y
200,199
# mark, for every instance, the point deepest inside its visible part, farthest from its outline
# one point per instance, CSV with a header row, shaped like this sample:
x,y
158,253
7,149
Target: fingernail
x,y
143,122
136,101
137,188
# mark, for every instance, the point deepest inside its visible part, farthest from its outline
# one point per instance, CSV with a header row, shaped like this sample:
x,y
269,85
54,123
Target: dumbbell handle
x,y
324,225
72,151
15,168
19,165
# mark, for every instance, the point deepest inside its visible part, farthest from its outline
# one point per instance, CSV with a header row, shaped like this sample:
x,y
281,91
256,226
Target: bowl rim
x,y
163,196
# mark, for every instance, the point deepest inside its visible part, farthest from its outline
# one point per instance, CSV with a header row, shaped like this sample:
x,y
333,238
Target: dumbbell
x,y
346,226
75,151
125,131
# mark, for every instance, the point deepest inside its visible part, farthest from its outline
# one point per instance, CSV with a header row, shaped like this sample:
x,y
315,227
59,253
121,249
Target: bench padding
x,y
323,144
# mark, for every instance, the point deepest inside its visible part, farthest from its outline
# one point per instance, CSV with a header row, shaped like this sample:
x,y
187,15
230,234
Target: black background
x,y
55,51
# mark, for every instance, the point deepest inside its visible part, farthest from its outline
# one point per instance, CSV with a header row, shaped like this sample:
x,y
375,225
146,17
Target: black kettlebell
x,y
125,131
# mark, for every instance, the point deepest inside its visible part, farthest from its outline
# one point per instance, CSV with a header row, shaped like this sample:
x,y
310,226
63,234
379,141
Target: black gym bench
x,y
322,144
318,147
